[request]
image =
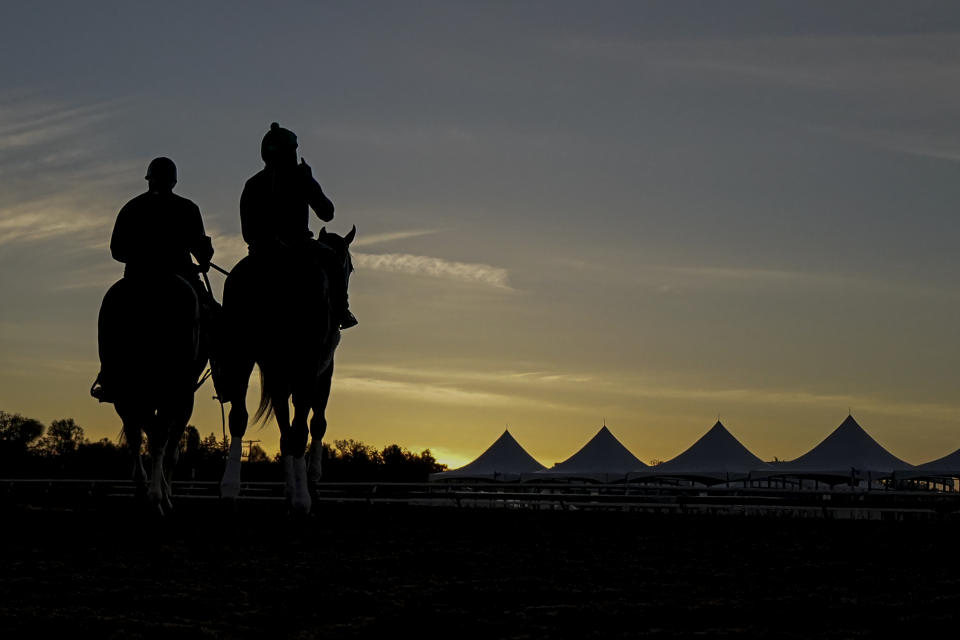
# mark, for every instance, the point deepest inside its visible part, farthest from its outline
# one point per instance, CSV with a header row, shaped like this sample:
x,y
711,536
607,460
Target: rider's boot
x,y
100,391
348,320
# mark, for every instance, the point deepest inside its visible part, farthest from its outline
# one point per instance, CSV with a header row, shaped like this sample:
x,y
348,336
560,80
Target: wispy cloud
x,y
44,218
56,172
32,124
468,385
674,278
737,273
680,276
228,248
473,273
545,378
941,145
541,388
439,394
643,388
810,60
381,238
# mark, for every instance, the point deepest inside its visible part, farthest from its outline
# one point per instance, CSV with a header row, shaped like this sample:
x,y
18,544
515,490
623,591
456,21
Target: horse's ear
x,y
350,236
323,230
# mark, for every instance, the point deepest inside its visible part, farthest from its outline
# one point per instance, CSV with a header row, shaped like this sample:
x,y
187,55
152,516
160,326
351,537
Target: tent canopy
x,y
848,447
947,466
603,458
716,455
505,459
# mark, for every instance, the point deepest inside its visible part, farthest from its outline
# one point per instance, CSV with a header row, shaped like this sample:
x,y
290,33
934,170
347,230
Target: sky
x,y
645,213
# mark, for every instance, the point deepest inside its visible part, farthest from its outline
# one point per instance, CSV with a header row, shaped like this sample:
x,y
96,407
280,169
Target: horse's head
x,y
340,245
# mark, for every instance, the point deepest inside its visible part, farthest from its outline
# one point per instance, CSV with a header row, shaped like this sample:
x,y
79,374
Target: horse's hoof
x,y
230,506
302,506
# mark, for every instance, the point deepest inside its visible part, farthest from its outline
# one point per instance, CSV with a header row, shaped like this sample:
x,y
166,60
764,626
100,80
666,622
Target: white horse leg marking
x,y
301,496
230,484
314,473
139,473
155,492
167,503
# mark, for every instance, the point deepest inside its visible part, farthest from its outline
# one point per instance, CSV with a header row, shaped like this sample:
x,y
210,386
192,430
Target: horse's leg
x,y
172,452
318,423
158,429
288,447
301,409
133,423
239,379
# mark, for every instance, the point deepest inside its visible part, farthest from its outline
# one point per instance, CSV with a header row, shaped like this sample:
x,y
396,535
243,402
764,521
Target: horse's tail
x,y
265,408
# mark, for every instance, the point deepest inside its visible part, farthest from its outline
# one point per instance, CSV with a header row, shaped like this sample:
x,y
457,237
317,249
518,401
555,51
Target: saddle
x,y
149,330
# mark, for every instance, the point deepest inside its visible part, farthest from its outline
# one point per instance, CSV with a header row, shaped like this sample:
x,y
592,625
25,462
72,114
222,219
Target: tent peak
x,y
850,423
849,445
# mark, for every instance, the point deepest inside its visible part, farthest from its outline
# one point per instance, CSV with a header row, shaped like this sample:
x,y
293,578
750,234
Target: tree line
x,y
29,449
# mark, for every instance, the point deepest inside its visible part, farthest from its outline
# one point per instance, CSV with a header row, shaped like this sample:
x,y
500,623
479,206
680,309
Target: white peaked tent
x,y
602,459
504,460
847,452
716,457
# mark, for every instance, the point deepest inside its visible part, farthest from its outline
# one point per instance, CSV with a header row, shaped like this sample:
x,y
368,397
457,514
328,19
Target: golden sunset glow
x,y
630,216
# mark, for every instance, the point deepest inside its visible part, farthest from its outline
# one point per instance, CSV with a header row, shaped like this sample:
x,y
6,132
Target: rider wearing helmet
x,y
158,230
155,233
275,203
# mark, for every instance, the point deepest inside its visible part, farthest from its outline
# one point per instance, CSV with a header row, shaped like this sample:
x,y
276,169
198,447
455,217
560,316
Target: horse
x,y
293,348
152,355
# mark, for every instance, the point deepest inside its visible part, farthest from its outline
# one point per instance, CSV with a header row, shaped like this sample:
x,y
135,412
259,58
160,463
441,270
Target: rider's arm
x,y
249,225
120,245
200,244
319,202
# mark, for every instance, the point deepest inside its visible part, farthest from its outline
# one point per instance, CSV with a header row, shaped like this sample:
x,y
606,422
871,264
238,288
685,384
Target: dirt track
x,y
358,571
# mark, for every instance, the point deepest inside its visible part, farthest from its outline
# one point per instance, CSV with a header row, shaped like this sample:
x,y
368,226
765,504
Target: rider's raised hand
x,y
305,168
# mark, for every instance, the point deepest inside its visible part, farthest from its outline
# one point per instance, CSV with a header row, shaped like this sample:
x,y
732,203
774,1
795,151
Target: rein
x,y
216,268
209,372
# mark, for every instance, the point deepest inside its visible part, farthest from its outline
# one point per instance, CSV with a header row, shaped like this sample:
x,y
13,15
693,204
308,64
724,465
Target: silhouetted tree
x,y
208,463
16,435
190,442
17,431
190,456
62,440
353,461
25,451
257,454
101,459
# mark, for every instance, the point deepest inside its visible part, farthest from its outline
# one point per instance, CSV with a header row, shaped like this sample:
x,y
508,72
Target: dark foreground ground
x,y
394,571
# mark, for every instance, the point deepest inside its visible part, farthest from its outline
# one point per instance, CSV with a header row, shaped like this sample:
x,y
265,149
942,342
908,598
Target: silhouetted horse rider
x,y
152,347
154,235
158,230
275,216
